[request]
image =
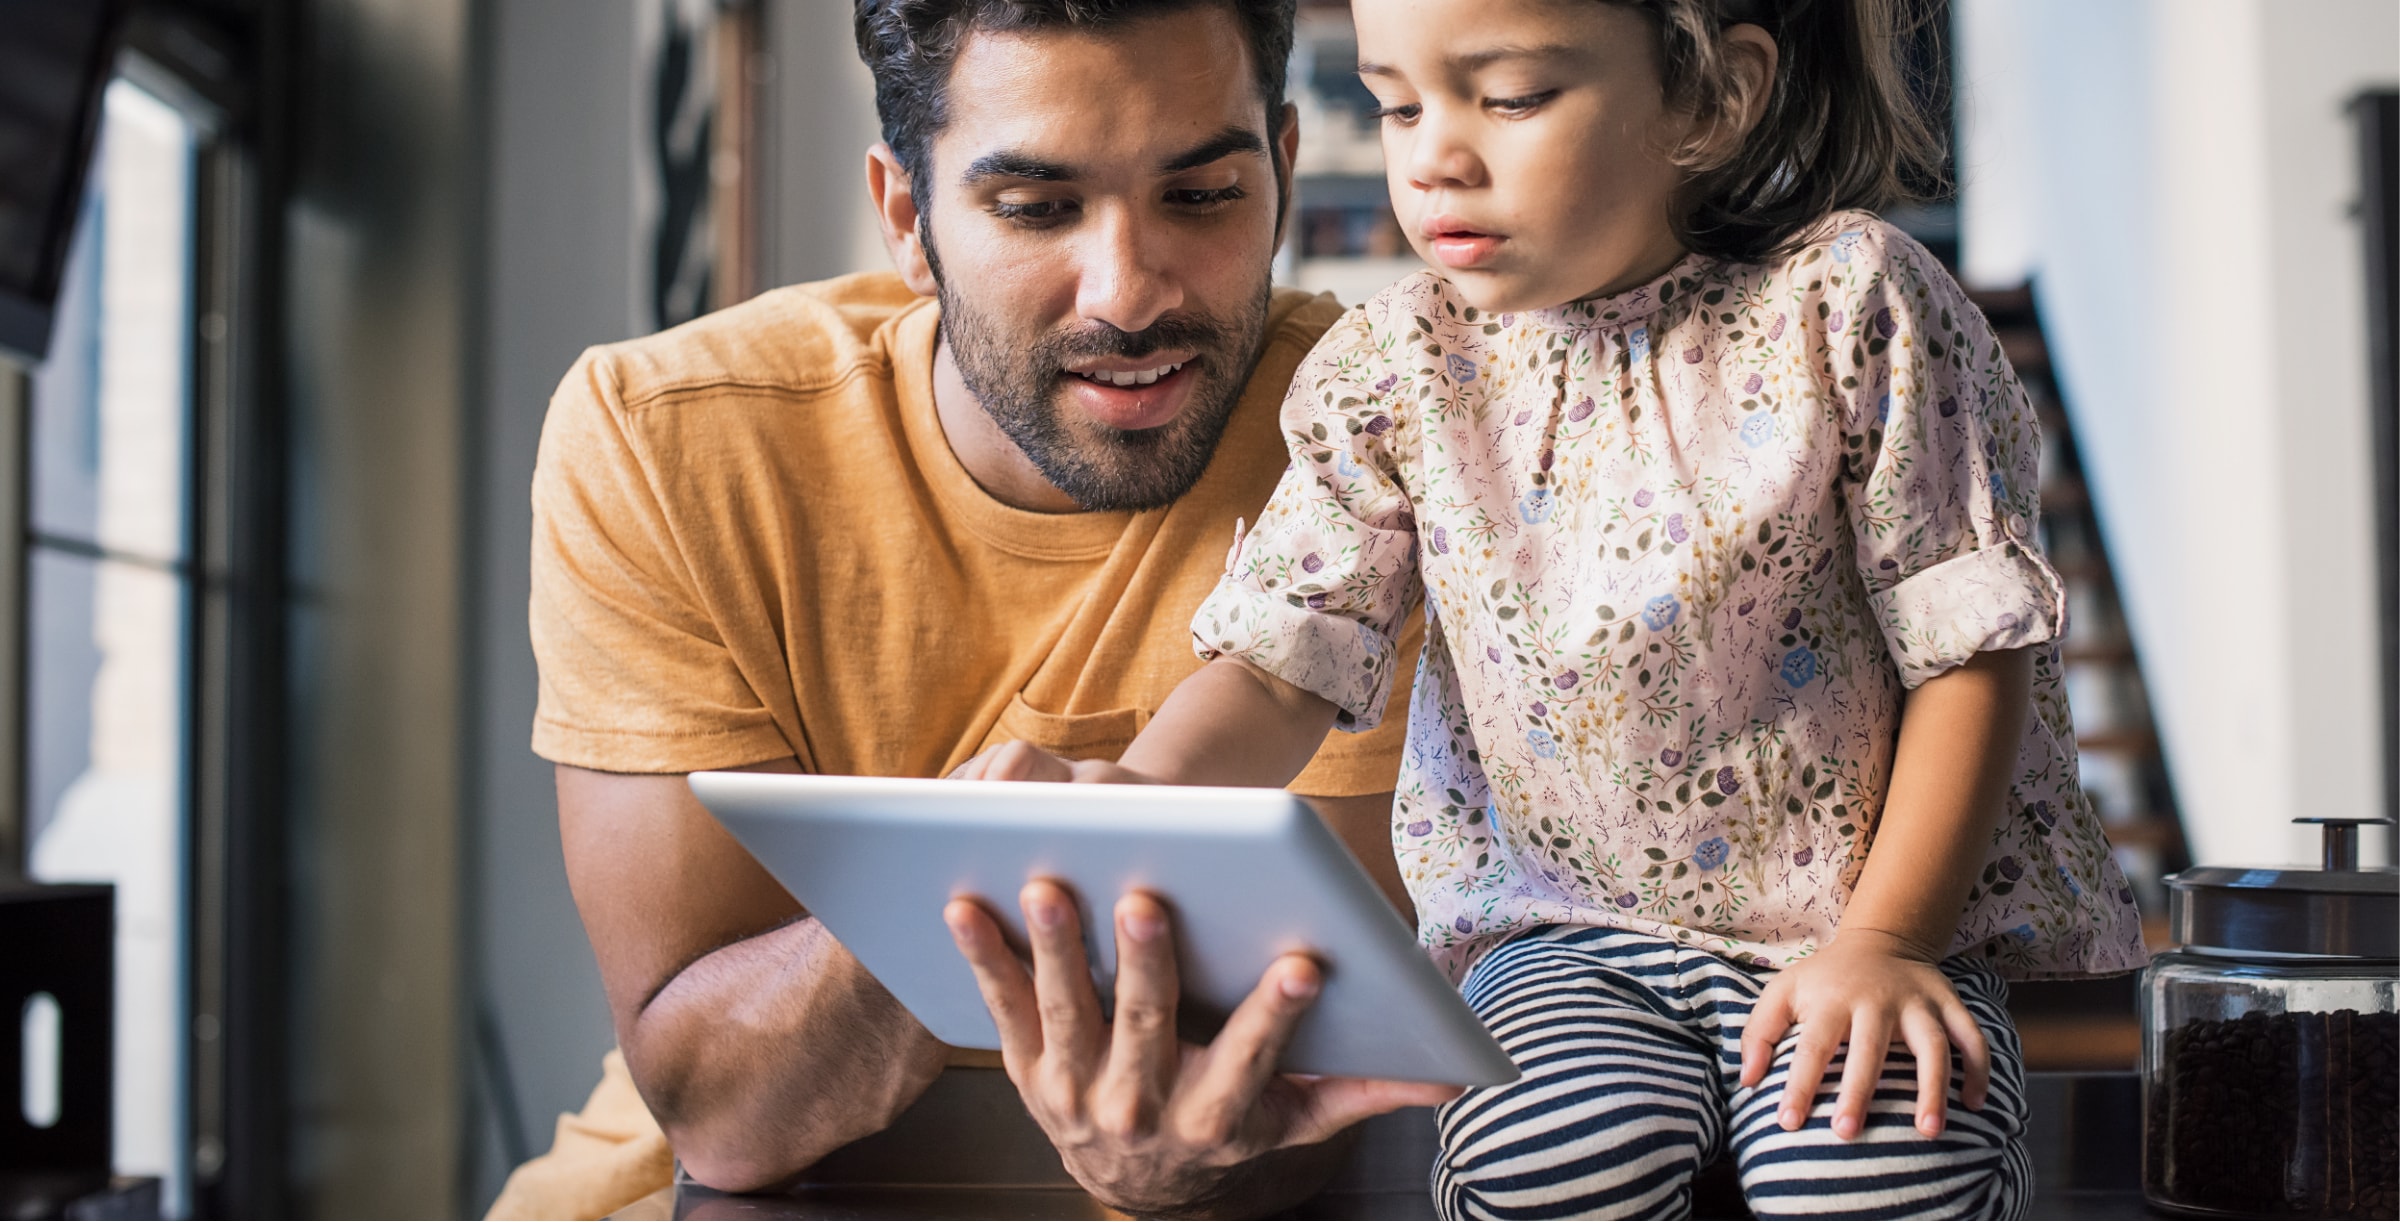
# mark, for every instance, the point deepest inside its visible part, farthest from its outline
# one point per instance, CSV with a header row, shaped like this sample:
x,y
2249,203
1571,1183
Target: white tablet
x,y
1248,874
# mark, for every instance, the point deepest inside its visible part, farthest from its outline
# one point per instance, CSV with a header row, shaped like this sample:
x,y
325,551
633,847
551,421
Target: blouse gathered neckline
x,y
1625,307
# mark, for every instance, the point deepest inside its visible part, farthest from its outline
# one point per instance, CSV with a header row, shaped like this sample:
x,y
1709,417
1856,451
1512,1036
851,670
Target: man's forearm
x,y
763,1056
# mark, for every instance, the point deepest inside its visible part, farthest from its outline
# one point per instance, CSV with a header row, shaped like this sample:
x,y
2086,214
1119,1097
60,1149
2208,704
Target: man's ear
x,y
897,213
1287,151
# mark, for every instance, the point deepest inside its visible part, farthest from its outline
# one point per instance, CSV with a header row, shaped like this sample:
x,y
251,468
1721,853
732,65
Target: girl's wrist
x,y
1897,943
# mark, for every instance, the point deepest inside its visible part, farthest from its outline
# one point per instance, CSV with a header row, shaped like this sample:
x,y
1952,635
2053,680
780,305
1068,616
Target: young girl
x,y
1719,499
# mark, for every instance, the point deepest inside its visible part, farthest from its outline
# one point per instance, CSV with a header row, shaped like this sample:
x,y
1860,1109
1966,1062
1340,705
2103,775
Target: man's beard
x,y
1018,381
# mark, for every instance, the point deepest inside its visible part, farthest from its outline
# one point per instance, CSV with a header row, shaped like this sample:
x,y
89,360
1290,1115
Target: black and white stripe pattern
x,y
1631,1052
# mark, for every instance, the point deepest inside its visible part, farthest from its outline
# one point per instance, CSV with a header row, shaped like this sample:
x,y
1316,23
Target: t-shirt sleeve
x,y
1941,466
1316,593
634,675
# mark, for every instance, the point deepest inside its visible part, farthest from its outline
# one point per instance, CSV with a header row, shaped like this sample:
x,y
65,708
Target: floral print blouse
x,y
1681,552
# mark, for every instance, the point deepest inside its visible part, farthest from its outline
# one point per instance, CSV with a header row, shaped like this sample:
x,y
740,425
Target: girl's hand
x,y
1866,988
1022,761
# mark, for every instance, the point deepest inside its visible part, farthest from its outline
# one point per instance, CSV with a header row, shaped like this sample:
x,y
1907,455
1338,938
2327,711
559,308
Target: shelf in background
x,y
2080,1042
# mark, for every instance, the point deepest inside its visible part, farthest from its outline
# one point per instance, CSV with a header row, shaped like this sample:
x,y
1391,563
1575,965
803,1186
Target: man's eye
x,y
1035,212
1403,114
1204,197
1520,105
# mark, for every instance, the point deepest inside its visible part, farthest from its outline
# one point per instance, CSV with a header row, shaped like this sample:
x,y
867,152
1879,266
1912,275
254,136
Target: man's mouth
x,y
1127,377
1129,396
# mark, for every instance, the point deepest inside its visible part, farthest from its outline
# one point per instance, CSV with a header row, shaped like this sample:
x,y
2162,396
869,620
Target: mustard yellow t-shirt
x,y
752,541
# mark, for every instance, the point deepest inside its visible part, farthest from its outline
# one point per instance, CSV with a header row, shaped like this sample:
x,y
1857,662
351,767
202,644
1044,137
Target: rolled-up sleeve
x,y
1943,493
1317,591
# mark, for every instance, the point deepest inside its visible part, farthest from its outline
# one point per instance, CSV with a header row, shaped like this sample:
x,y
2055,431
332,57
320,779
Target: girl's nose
x,y
1442,153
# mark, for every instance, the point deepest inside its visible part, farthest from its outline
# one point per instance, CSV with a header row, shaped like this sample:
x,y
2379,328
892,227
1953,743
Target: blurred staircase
x,y
2091,1024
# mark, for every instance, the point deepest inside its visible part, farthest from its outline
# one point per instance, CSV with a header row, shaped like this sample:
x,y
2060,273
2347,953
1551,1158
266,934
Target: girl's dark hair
x,y
1844,125
910,46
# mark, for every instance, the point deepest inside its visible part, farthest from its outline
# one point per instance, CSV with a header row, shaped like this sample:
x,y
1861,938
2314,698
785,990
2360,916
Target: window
x,y
110,601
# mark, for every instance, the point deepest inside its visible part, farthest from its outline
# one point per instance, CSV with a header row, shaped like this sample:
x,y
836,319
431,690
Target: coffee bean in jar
x,y
2279,1114
2270,1077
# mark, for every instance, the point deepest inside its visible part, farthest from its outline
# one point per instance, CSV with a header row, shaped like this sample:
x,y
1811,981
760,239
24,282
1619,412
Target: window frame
x,y
212,66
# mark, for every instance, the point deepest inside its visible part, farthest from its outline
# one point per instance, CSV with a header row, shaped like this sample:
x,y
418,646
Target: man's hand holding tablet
x,y
1237,918
1126,1101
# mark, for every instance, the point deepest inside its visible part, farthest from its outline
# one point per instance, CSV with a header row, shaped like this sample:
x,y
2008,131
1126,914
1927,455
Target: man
x,y
841,530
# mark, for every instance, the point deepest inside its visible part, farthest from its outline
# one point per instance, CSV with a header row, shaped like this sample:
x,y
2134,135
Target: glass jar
x,y
2271,1042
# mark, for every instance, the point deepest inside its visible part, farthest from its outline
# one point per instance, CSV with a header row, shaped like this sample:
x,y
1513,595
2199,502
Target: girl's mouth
x,y
1464,249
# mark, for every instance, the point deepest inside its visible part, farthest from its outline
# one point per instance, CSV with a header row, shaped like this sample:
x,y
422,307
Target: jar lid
x,y
2338,911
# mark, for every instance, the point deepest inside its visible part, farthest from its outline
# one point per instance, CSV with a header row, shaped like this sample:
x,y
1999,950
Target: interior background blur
x,y
337,253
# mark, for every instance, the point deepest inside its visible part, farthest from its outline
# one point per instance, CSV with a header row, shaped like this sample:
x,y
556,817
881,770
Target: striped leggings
x,y
1631,1052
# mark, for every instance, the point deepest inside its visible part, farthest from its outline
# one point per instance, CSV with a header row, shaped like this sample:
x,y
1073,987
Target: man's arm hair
x,y
757,1041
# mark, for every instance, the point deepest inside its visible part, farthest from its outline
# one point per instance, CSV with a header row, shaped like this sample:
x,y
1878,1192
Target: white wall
x,y
560,277
818,222
2176,176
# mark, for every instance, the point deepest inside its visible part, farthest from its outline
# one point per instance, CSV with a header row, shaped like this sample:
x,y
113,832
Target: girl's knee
x,y
1541,1148
1975,1169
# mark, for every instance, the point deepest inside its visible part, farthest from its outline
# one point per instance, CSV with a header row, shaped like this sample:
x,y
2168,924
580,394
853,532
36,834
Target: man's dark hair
x,y
910,46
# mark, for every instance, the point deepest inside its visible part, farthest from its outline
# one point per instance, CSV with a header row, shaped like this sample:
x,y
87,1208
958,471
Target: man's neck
x,y
988,454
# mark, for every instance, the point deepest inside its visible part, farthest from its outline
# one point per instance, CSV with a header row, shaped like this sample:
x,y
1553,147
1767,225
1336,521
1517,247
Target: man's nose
x,y
1126,279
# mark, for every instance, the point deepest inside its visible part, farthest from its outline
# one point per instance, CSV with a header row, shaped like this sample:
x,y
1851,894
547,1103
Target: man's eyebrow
x,y
1217,147
1009,164
1482,57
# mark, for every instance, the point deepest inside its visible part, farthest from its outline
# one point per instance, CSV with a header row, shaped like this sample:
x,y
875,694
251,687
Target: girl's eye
x,y
1204,197
1038,212
1522,105
1403,114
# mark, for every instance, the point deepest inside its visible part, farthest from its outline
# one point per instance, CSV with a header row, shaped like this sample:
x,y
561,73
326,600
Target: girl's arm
x,y
1231,723
1959,737
1877,980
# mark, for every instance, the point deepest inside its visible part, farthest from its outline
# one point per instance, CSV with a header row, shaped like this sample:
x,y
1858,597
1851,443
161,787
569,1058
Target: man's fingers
x,y
1022,761
1006,988
1974,1053
1769,1019
1062,983
1215,1105
1922,1030
1870,1037
1143,1051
